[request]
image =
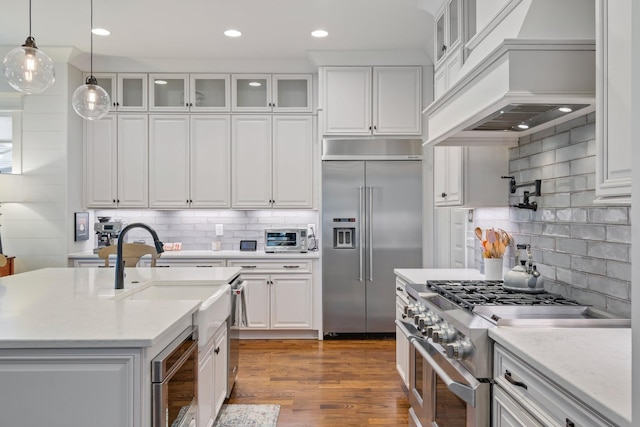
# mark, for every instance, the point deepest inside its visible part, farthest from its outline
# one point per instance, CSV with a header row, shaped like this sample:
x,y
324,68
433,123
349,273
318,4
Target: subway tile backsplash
x,y
582,250
196,229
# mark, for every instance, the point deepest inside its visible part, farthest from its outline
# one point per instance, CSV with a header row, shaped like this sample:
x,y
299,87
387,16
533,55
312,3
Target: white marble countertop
x,y
79,307
421,275
594,365
208,254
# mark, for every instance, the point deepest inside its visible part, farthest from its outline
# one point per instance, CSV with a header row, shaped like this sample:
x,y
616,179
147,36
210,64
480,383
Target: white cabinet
x,y
272,161
212,377
613,101
541,401
189,159
127,91
446,73
470,176
448,29
278,294
280,93
168,92
115,164
210,92
359,101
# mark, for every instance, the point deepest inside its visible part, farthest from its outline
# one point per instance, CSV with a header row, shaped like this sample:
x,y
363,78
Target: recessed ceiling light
x,y
565,109
319,33
232,33
523,126
100,31
160,82
255,84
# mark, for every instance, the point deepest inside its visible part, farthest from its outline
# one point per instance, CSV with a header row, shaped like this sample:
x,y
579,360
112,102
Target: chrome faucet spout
x,y
120,262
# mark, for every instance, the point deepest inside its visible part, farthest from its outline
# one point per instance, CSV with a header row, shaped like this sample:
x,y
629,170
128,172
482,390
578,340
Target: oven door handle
x,y
466,392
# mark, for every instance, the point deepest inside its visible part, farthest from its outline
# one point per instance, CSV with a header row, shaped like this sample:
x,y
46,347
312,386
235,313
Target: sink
x,y
215,300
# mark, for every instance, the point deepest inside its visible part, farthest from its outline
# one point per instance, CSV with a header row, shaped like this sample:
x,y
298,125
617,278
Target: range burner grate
x,y
471,293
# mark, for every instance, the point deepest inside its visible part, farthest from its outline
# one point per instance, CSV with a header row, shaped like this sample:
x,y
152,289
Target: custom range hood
x,y
511,87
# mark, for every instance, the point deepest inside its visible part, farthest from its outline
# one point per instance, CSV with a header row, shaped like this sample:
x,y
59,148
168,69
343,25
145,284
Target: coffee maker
x,y
107,232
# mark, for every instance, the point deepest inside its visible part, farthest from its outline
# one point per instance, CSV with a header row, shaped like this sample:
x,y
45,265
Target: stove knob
x,y
408,310
460,349
429,319
417,318
433,331
445,335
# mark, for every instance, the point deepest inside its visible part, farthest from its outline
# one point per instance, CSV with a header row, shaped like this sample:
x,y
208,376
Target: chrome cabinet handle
x,y
509,377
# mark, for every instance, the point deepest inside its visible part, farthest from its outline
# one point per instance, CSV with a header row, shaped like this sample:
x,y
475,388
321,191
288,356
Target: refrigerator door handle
x,y
361,220
370,225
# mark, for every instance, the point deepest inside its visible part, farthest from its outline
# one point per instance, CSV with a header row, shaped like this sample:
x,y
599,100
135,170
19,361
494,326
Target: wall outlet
x,y
219,230
311,229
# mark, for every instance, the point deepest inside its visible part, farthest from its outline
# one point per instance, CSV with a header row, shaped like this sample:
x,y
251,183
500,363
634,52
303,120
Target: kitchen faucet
x,y
120,262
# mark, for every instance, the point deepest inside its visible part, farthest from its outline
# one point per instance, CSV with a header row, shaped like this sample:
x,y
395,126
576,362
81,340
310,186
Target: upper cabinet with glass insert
x,y
448,29
189,92
127,91
210,92
272,93
168,92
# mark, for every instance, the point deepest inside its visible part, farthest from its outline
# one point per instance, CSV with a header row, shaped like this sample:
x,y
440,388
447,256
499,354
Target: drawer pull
x,y
248,266
569,423
204,265
509,377
291,266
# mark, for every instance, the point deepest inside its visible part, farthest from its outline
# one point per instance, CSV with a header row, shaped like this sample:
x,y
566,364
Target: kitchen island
x,y
76,351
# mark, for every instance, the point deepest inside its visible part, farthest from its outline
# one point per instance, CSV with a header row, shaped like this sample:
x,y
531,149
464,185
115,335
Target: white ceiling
x,y
275,29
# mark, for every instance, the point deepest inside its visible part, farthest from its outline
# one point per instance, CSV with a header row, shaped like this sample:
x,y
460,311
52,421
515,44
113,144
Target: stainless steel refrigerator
x,y
371,224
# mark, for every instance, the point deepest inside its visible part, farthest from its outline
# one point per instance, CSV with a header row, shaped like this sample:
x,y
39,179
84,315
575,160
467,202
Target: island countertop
x,y
80,307
594,365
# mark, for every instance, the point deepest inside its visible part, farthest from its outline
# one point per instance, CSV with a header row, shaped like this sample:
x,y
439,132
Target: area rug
x,y
236,415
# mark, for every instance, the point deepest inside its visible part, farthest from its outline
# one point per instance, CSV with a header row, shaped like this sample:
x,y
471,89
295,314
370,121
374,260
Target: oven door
x,y
442,392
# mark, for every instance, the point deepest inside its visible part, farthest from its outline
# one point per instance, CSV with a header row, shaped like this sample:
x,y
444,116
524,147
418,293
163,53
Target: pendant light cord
x,y
91,29
29,18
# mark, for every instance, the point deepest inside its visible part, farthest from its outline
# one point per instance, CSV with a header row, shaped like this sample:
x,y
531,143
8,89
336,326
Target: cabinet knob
x,y
444,195
114,200
569,423
375,128
217,350
444,48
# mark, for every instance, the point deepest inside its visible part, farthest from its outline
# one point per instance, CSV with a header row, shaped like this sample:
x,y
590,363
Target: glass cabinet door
x,y
454,22
252,92
292,93
168,92
106,81
210,92
440,42
132,92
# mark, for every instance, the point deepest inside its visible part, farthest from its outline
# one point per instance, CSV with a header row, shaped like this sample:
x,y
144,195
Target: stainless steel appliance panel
x,y
394,234
372,223
343,281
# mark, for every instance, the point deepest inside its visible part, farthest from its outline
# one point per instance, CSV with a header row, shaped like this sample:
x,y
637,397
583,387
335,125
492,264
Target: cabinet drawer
x,y
539,395
268,266
184,263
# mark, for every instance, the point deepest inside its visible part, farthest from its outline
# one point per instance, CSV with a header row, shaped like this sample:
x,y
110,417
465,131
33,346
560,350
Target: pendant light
x,y
91,101
26,68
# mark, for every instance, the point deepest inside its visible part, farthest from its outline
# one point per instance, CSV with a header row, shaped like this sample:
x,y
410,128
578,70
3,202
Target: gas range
x,y
456,316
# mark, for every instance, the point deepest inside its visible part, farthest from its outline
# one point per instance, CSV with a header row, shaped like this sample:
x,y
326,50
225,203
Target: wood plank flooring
x,y
323,383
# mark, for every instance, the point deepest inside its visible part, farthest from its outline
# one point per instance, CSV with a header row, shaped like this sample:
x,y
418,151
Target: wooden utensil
x,y
479,233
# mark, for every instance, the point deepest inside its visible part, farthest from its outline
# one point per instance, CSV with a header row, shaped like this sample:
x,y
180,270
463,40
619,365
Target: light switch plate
x,y
219,230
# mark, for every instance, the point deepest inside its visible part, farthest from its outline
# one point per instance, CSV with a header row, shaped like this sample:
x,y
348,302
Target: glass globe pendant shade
x,y
27,69
91,101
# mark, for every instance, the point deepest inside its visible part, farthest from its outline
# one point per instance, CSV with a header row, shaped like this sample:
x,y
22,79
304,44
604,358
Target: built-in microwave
x,y
285,240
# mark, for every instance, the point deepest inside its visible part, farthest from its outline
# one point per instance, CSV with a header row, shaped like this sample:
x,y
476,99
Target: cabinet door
x,y
206,385
291,306
397,100
210,166
508,413
108,82
257,299
347,100
613,101
251,161
440,82
292,93
251,92
440,172
169,161
221,360
132,92
168,92
132,161
455,178
292,161
454,23
441,47
101,162
210,92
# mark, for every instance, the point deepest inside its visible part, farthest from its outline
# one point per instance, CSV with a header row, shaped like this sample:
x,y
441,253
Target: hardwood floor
x,y
323,383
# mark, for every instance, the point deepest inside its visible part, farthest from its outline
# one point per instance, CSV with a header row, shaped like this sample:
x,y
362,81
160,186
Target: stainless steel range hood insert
x,y
520,117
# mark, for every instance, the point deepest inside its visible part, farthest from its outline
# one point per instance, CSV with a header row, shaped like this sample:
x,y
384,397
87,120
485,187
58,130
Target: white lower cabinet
x,y
525,397
212,377
100,387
